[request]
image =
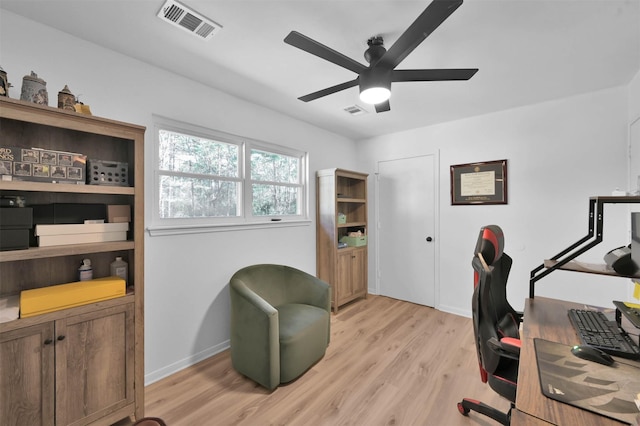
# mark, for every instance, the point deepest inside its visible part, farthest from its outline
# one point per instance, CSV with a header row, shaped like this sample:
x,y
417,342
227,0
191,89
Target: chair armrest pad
x,y
508,347
249,296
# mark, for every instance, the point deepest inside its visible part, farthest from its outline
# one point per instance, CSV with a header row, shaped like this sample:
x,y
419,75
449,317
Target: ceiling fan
x,y
375,80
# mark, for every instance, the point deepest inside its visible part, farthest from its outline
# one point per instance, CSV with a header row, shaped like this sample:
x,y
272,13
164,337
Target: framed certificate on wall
x,y
479,183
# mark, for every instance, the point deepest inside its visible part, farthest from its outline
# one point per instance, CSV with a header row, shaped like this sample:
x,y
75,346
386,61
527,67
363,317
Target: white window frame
x,y
245,220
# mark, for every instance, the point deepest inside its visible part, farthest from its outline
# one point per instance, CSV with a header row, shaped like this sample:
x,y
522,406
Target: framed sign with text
x,y
479,183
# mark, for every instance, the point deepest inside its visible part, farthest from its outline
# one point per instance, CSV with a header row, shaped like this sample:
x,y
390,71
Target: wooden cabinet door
x,y
94,364
351,281
344,280
27,376
359,271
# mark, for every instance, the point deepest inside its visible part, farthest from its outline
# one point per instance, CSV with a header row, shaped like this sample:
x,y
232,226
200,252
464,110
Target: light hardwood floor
x,y
389,363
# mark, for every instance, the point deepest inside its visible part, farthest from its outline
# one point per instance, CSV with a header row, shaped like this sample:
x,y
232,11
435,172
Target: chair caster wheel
x,y
463,410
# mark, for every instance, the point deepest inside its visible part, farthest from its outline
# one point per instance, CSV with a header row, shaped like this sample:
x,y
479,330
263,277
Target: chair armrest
x,y
317,292
507,347
255,349
246,295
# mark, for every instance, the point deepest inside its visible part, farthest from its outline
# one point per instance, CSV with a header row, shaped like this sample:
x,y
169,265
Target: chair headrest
x,y
490,243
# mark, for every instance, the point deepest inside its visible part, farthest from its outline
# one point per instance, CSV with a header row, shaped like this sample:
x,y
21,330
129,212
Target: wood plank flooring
x,y
389,363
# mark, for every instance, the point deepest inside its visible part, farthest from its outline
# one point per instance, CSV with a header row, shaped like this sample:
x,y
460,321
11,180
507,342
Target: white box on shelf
x,y
78,233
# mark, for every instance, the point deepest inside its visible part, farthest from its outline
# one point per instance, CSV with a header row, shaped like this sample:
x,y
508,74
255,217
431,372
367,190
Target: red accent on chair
x,y
512,341
489,235
483,374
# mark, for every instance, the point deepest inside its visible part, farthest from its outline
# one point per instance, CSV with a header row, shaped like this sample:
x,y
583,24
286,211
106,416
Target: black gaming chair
x,y
495,324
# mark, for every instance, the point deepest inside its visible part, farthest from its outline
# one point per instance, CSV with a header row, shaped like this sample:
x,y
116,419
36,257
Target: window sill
x,y
163,230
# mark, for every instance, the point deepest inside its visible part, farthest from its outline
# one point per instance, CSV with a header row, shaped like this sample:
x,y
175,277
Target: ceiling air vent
x,y
189,20
355,110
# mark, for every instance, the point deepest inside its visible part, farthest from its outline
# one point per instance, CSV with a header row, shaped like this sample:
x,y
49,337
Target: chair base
x,y
467,405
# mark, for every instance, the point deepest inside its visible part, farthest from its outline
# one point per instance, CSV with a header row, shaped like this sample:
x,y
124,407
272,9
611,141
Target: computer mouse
x,y
590,353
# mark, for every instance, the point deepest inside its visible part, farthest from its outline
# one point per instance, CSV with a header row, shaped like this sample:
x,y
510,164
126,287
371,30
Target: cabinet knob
x,y
48,342
61,338
429,239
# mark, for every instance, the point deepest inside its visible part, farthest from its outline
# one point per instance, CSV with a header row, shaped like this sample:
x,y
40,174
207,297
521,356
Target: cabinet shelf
x,y
46,355
352,224
589,268
68,188
351,200
66,250
341,195
64,313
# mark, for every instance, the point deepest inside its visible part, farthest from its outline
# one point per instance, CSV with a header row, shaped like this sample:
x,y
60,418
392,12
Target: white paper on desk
x,y
9,308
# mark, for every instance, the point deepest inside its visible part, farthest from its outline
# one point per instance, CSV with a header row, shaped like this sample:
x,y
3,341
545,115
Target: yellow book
x,y
49,299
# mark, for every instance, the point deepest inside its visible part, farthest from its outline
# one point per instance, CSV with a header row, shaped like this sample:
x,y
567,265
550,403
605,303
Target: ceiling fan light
x,y
375,95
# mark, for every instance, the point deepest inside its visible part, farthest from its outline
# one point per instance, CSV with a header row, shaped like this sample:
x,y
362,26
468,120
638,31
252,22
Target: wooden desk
x,y
548,319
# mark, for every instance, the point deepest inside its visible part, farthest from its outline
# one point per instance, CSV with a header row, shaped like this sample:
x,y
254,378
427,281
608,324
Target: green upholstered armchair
x,y
280,322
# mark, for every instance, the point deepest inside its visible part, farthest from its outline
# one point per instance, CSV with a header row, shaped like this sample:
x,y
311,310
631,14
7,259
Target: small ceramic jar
x,y
4,83
66,100
34,89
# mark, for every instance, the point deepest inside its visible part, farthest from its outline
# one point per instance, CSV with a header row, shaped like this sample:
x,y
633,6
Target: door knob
x,y
429,239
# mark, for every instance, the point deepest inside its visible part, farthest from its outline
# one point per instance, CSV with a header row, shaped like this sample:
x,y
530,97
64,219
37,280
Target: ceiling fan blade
x,y
434,15
309,45
433,75
383,106
328,91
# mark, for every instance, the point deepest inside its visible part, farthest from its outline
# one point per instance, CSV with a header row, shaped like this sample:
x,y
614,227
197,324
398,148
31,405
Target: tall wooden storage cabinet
x,y
341,199
81,365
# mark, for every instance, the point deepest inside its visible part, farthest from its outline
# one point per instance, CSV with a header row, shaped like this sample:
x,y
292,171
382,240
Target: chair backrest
x,y
493,316
276,284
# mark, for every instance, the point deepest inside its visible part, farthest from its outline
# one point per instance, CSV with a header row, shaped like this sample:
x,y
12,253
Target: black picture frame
x,y
479,183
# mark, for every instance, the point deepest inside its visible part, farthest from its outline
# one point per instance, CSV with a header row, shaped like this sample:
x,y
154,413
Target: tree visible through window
x,y
275,184
198,177
208,177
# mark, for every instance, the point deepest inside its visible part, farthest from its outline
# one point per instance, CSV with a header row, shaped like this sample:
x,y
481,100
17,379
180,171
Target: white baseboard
x,y
455,310
170,369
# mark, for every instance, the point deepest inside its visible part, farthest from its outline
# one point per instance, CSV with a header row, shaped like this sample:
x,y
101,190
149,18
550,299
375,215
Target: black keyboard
x,y
594,329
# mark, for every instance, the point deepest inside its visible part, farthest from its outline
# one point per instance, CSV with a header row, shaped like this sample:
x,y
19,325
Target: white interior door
x,y
406,225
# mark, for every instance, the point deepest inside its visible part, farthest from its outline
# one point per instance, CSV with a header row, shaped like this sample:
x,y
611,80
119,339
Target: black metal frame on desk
x,y
596,216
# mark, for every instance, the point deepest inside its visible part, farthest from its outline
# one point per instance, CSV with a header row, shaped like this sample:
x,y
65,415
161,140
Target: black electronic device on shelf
x,y
619,259
630,313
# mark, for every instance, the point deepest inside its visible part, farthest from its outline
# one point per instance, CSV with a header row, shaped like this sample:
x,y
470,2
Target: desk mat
x,y
612,391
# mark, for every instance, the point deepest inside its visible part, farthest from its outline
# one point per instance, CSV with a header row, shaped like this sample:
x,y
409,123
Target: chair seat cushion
x,y
304,334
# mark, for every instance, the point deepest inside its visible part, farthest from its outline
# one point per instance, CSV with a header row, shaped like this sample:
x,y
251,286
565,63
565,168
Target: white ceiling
x,y
528,51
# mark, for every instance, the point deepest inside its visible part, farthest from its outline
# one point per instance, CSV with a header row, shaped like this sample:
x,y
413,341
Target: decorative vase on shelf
x,y
34,89
4,83
66,100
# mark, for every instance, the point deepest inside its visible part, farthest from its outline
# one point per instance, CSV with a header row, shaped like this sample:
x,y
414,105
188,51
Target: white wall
x,y
634,135
186,276
634,98
559,154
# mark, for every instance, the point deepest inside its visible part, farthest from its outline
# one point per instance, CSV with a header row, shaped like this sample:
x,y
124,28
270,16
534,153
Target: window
x,y
208,178
275,184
